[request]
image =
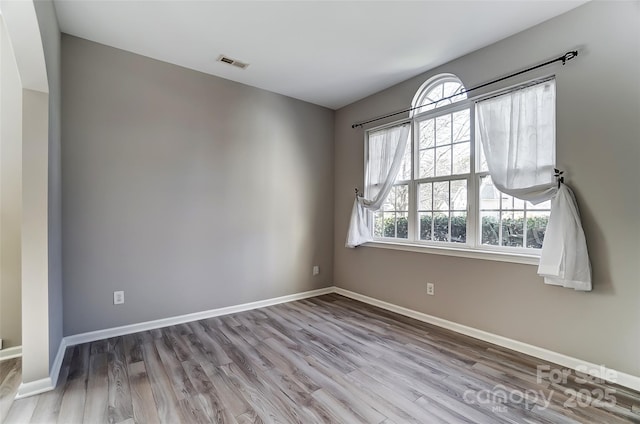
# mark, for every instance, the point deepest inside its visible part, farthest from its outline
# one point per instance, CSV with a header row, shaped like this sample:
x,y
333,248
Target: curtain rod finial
x,y
569,55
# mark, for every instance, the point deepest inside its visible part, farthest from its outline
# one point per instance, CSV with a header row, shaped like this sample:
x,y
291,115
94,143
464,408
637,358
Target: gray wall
x,y
10,195
598,133
187,191
50,34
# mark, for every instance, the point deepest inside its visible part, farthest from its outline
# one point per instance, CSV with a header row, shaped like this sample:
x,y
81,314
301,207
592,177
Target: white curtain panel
x,y
385,151
565,260
517,132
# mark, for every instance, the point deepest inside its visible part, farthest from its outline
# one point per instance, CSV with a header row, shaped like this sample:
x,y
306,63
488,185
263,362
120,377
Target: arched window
x,y
441,90
443,194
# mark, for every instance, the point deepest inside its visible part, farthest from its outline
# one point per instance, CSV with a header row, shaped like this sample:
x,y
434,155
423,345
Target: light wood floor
x,y
323,360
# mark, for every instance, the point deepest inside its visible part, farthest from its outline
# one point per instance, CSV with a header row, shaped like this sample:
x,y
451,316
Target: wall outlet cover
x,y
431,289
118,297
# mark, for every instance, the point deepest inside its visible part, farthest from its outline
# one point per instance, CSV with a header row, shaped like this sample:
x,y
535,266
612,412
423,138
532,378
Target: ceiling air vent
x,y
232,62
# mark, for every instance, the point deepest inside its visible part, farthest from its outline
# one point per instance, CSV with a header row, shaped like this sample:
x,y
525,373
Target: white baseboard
x,y
181,319
623,379
10,353
35,387
57,363
45,384
49,383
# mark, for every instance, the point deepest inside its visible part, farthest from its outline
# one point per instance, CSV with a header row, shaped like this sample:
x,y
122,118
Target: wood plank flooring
x,y
327,359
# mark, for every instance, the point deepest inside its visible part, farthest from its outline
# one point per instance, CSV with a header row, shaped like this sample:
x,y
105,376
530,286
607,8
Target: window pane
x,y
490,229
502,212
425,225
443,130
402,225
389,224
393,220
459,227
489,195
461,124
461,158
425,198
441,196
450,88
518,203
511,203
378,224
506,201
401,197
427,135
426,163
435,93
512,228
441,226
428,104
390,201
536,227
444,102
443,160
459,195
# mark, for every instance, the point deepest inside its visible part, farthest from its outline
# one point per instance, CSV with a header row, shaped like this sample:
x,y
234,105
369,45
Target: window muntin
x,y
443,201
444,144
442,211
392,220
510,222
435,93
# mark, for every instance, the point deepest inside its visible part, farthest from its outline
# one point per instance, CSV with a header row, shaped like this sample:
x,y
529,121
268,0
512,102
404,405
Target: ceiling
x,y
330,53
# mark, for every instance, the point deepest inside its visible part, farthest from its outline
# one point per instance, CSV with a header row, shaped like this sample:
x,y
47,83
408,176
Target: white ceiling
x,y
330,53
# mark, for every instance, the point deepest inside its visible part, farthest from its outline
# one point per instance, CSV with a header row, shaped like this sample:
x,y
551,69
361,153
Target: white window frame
x,y
473,248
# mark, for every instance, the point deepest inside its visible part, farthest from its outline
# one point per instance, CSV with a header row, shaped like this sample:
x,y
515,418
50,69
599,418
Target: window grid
x,y
462,137
455,205
392,220
431,144
532,235
457,135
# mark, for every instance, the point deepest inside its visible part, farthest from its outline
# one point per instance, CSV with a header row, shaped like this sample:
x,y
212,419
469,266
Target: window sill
x,y
518,258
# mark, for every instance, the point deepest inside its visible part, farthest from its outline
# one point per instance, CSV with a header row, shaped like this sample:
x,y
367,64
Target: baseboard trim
x,y
45,384
49,383
35,387
57,363
181,319
10,353
623,379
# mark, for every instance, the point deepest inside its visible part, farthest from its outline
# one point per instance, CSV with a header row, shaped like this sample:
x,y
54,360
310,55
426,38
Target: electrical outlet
x,y
316,270
118,297
431,289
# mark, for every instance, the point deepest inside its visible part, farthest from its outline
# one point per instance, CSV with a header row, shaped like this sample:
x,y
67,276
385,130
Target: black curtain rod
x,y
564,58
